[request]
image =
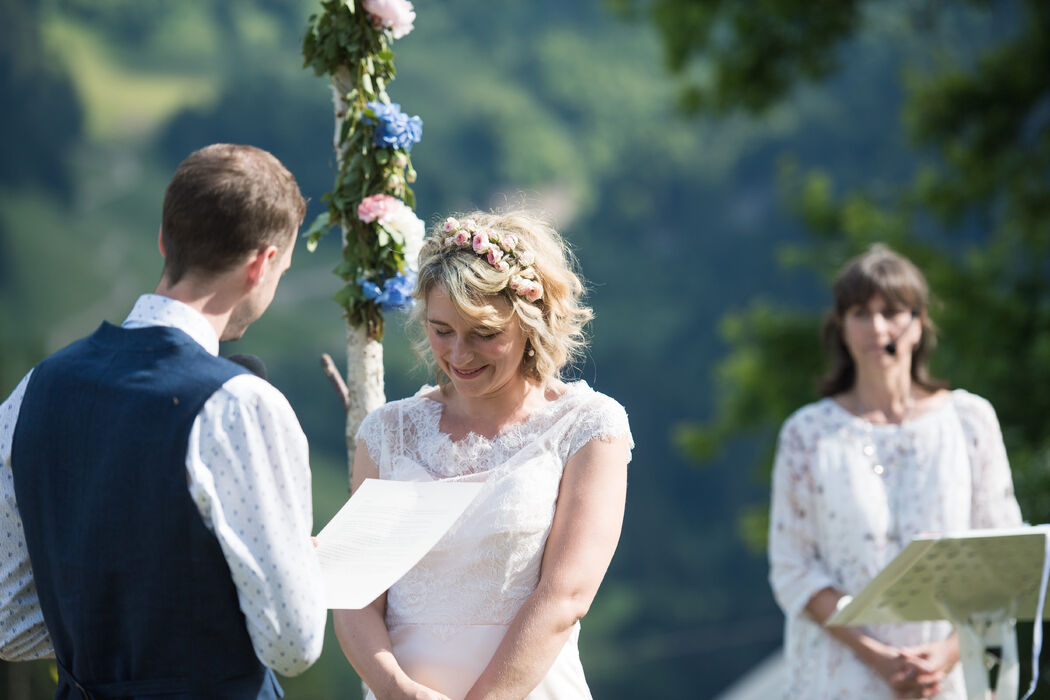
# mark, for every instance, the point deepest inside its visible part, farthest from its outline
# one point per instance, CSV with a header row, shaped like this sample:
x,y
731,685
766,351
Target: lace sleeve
x,y
602,418
993,503
370,432
796,568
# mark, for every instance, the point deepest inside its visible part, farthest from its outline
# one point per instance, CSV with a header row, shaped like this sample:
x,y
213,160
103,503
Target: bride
x,y
493,611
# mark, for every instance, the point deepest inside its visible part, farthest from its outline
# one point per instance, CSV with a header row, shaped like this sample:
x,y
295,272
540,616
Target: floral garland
x,y
371,199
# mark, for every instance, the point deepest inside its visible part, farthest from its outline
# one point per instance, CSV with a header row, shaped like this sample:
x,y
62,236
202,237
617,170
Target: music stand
x,y
982,581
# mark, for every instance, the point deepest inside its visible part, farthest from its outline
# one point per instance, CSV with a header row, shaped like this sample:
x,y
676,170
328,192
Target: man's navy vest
x,y
136,594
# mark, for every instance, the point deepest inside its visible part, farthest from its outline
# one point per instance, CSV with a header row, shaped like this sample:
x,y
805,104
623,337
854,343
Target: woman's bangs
x,y
891,282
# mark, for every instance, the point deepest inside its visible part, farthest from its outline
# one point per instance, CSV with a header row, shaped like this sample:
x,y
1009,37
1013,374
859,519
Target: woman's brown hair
x,y
882,272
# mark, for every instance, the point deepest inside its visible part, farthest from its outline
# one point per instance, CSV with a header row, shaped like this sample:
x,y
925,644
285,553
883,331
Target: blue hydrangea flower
x,y
393,128
394,295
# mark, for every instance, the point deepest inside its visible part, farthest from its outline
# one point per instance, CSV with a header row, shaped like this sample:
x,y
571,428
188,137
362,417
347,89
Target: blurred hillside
x,y
562,105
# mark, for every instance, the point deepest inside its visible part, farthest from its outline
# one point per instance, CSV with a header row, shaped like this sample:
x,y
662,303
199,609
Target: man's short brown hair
x,y
224,202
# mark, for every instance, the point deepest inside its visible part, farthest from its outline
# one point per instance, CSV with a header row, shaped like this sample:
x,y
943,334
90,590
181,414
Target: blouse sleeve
x,y
796,569
993,503
602,418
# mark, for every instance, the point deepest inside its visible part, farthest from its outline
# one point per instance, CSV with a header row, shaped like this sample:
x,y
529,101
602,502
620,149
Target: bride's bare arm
x,y
581,543
362,634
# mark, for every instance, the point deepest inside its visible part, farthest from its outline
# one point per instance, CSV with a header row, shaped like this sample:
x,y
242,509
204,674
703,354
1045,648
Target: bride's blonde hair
x,y
553,323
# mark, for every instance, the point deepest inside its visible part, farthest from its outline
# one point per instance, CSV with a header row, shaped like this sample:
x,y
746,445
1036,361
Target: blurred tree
x,y
43,116
296,129
42,123
748,54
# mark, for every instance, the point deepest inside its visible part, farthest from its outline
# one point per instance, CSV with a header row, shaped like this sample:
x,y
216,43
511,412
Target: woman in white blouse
x,y
886,455
493,610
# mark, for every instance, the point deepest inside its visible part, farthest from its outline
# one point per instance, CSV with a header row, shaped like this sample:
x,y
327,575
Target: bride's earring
x,y
530,352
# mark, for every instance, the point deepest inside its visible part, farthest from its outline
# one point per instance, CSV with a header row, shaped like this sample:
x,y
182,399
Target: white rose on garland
x,y
399,221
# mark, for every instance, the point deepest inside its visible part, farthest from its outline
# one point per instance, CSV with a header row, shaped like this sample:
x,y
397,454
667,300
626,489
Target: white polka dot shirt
x,y
248,471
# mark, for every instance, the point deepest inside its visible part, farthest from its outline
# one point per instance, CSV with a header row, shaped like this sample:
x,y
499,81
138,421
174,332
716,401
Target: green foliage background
x,y
681,221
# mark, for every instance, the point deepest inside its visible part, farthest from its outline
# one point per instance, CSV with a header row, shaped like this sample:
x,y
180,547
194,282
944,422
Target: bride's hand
x,y
411,690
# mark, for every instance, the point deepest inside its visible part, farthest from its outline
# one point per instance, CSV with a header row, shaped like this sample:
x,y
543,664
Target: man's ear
x,y
160,243
259,264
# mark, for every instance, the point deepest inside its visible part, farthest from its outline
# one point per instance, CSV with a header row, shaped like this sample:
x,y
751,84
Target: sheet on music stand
x,y
976,572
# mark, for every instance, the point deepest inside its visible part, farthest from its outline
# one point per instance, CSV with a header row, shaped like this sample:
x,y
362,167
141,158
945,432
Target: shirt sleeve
x,y
23,635
796,569
993,503
248,467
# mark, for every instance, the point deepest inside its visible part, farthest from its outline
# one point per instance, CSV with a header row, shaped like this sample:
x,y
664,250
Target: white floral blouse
x,y
848,495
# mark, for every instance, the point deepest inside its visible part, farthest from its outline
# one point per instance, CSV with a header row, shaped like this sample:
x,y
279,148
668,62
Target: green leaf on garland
x,y
394,235
344,296
317,230
346,270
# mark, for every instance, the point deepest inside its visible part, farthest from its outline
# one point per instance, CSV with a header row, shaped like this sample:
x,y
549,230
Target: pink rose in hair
x,y
450,225
502,266
481,243
533,292
395,15
461,238
495,255
525,257
471,225
508,242
376,206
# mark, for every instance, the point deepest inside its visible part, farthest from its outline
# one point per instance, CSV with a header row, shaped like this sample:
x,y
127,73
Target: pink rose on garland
x,y
395,15
377,206
398,219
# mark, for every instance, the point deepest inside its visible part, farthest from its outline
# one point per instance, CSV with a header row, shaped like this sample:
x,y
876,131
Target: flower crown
x,y
497,250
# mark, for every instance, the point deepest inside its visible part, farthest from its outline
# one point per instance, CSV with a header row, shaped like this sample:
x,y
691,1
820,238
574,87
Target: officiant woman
x,y
493,611
887,454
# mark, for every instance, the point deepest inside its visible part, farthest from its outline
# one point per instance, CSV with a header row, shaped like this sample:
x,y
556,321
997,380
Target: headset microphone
x,y
891,347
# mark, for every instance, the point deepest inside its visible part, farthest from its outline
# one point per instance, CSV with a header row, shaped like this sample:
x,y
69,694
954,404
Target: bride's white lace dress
x,y
448,614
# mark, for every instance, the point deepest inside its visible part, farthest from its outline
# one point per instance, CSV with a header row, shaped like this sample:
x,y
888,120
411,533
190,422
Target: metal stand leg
x,y
971,655
1009,667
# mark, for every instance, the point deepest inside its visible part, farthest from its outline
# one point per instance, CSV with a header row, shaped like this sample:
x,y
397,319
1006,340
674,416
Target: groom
x,y
155,507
